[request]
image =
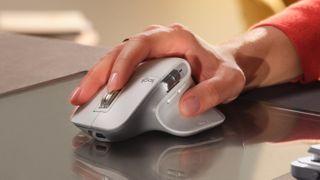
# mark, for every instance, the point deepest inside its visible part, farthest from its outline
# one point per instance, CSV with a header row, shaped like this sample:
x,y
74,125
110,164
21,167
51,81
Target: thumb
x,y
203,96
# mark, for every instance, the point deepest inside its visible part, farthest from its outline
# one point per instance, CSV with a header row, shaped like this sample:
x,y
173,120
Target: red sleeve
x,y
301,23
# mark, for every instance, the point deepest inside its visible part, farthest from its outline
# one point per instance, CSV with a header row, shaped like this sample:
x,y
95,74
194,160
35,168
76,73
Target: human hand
x,y
218,76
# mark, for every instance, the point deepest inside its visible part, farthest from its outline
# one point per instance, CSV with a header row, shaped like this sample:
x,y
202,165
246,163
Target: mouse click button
x,y
108,99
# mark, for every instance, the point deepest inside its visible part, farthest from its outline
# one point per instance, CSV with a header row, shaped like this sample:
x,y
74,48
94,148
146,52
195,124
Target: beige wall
x,y
214,20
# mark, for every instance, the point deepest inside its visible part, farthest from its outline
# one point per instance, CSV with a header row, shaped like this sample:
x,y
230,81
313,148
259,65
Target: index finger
x,y
95,78
156,43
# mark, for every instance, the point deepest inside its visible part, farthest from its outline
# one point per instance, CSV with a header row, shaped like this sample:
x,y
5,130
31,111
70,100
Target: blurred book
x,y
67,25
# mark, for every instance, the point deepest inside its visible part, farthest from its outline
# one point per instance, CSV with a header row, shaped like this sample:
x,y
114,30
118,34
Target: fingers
x,y
135,51
158,41
95,78
225,84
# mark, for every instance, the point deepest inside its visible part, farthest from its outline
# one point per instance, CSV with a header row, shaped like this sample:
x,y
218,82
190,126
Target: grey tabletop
x,y
38,141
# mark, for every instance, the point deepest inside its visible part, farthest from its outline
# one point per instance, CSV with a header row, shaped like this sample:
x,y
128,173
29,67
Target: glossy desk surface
x,y
38,141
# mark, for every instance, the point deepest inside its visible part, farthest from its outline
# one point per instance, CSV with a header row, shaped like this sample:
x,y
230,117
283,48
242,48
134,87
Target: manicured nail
x,y
112,82
75,93
191,105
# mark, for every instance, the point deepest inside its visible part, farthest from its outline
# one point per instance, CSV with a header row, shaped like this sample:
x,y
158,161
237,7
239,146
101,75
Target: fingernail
x,y
75,93
112,81
191,105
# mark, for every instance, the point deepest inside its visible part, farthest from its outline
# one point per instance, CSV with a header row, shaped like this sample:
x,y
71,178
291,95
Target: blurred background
x,y
108,22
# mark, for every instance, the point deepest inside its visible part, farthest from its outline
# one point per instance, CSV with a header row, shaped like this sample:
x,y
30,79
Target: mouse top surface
x,y
147,76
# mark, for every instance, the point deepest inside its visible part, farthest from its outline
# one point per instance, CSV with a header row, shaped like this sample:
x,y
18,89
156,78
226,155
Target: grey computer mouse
x,y
149,101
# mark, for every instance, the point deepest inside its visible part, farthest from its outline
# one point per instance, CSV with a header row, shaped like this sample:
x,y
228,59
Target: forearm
x,y
266,57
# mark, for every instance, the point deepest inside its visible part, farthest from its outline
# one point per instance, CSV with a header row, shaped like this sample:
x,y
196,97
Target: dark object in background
x,y
293,96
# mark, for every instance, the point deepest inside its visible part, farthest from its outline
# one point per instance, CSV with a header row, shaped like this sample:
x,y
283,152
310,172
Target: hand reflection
x,y
80,168
187,163
80,139
86,172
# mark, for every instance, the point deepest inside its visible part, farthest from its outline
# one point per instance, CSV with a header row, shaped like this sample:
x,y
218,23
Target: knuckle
x,y
89,73
213,93
180,28
236,81
239,78
98,80
114,49
141,38
92,72
191,55
177,26
242,79
184,33
153,26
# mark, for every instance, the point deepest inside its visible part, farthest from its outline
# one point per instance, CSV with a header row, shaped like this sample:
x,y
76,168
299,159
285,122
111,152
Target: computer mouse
x,y
149,101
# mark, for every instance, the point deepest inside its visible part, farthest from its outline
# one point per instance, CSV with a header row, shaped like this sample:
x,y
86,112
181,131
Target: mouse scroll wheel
x,y
171,79
108,99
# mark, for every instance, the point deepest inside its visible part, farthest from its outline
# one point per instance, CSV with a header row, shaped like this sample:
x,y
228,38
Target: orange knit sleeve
x,y
301,23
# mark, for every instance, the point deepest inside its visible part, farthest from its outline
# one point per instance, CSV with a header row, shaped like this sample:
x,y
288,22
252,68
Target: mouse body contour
x,y
149,101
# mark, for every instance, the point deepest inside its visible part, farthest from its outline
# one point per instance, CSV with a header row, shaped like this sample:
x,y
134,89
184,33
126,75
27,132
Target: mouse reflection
x,y
156,155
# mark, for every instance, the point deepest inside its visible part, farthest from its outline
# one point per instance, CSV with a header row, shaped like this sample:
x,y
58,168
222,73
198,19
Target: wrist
x,y
249,52
266,56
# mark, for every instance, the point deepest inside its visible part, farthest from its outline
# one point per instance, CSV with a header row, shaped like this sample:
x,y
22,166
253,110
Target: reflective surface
x,y
162,156
39,142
